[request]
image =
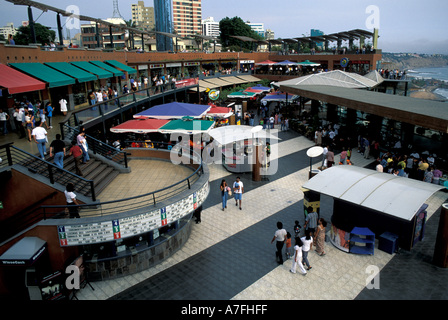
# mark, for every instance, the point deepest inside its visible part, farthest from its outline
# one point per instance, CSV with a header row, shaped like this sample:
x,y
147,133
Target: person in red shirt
x,y
76,151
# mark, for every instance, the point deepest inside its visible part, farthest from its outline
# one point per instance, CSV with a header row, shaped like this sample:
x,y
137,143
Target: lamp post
x,y
312,153
256,152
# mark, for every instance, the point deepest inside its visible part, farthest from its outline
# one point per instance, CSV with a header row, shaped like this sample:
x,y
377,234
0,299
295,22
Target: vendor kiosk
x,y
26,262
381,202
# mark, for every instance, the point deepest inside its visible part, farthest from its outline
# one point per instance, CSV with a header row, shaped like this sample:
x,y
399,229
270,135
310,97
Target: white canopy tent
x,y
396,196
229,134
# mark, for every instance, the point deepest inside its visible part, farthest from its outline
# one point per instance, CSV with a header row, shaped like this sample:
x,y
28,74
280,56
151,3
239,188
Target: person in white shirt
x,y
324,155
307,241
4,117
40,137
238,189
297,261
99,96
280,237
71,200
63,104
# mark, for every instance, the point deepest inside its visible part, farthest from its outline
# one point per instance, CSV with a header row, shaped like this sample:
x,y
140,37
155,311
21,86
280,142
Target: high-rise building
x,y
317,33
210,27
269,35
187,17
164,23
143,17
257,27
7,30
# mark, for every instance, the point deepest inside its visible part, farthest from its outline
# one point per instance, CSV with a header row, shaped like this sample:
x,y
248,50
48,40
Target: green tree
x,y
235,26
43,35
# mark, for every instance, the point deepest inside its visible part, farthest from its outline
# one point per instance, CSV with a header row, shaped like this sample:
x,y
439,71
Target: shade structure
x,y
222,112
266,63
230,134
262,88
256,91
72,71
375,76
24,253
174,110
187,126
242,95
285,63
18,82
140,126
101,64
42,72
89,67
119,65
308,63
335,78
279,97
396,196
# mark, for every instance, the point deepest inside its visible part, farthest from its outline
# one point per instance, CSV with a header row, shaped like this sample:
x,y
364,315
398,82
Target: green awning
x,y
42,72
86,66
72,71
121,66
101,64
187,126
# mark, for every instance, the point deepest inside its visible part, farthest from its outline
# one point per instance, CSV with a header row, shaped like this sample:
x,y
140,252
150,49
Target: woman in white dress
x,y
297,261
63,104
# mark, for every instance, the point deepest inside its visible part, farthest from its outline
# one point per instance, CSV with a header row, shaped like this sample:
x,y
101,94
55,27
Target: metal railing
x,y
97,146
107,107
147,200
12,155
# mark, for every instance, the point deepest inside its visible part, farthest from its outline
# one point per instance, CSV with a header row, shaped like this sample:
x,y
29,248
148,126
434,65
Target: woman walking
x,y
297,261
224,193
319,237
307,241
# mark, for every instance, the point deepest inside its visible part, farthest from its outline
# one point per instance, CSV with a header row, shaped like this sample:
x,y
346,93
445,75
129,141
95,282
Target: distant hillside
x,y
407,61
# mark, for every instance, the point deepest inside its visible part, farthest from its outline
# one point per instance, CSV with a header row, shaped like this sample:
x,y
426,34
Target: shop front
x,y
370,204
174,69
191,69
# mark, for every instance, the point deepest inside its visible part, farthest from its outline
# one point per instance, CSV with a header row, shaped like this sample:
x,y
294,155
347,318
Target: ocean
x,y
440,73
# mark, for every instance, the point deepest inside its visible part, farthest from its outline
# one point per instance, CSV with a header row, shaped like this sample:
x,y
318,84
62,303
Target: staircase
x,y
100,172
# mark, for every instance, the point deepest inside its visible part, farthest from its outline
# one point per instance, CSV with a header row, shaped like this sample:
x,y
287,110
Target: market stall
x,y
364,198
174,110
236,143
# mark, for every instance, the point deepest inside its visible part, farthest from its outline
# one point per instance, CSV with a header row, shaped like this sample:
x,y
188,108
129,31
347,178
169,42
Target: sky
x,y
404,25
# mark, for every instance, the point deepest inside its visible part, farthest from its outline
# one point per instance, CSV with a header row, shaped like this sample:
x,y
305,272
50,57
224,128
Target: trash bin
x,y
388,242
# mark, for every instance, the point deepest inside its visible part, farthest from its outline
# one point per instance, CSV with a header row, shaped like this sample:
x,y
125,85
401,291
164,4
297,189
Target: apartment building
x,y
187,17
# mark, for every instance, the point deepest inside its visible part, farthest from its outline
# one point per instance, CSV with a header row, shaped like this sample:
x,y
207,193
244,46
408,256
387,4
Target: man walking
x,y
76,152
238,189
280,236
311,221
57,148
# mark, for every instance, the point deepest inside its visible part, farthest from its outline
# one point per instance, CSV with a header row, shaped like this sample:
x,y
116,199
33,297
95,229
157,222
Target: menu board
x,y
85,233
72,235
138,224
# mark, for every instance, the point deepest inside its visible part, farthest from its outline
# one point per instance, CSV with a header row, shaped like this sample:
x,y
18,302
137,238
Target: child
x,y
297,228
297,260
288,245
349,154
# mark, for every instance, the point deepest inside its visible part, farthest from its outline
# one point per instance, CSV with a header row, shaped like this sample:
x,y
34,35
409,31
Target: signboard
x,y
190,64
247,61
156,66
213,94
142,67
97,232
344,62
80,234
175,64
187,82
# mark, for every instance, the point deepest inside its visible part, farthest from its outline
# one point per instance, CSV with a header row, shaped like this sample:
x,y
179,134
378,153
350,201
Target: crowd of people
x,y
27,117
313,234
414,166
392,74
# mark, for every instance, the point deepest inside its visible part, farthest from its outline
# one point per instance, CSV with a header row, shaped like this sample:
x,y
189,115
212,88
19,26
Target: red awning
x,y
17,82
140,126
223,112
